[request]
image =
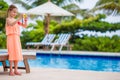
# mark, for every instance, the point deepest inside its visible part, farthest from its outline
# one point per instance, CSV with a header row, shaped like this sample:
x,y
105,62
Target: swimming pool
x,y
77,62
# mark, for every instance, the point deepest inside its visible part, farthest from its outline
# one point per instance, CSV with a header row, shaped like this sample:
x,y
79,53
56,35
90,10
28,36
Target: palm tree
x,y
108,6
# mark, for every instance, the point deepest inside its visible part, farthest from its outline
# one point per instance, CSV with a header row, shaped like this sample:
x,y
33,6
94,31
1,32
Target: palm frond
x,y
108,8
22,3
102,2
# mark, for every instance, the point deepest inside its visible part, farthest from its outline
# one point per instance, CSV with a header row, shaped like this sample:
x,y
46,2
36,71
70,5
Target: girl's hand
x,y
24,20
25,17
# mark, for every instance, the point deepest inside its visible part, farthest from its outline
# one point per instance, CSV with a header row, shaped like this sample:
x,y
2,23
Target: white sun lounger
x,y
61,41
45,42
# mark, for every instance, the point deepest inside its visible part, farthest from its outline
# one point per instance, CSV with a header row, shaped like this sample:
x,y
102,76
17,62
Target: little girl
x,y
13,38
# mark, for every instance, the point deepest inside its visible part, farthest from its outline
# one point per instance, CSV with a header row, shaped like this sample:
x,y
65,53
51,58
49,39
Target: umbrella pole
x,y
47,22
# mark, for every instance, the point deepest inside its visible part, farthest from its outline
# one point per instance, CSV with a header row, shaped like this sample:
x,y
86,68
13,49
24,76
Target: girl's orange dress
x,y
13,42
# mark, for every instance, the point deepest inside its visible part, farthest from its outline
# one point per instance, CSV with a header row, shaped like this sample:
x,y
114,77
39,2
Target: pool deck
x,y
63,74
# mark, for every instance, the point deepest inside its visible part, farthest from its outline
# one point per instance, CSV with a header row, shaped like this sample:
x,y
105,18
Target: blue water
x,y
76,62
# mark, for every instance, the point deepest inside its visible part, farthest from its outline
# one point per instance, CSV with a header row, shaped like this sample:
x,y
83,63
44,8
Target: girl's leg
x,y
11,68
16,68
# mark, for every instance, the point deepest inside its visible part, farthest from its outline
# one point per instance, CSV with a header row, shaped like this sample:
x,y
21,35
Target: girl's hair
x,y
11,7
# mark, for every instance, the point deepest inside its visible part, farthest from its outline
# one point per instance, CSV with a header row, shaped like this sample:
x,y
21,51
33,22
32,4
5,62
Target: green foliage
x,y
104,44
68,27
92,24
2,24
2,40
3,8
3,5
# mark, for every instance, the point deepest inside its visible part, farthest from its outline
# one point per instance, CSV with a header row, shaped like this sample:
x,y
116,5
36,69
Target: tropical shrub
x,y
105,44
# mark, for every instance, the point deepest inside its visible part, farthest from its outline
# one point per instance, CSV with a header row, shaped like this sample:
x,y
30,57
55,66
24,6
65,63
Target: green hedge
x,y
105,44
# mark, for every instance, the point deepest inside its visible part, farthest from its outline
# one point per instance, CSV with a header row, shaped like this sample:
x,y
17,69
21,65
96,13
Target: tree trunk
x,y
46,24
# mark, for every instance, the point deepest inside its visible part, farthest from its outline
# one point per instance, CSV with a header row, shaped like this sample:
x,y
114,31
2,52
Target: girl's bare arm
x,y
11,22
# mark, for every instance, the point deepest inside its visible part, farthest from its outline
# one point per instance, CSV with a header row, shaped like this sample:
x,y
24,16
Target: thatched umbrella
x,y
48,9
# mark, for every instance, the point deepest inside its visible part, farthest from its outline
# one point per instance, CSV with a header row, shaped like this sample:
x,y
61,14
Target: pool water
x,y
77,62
